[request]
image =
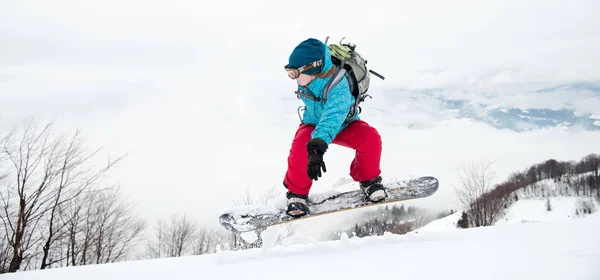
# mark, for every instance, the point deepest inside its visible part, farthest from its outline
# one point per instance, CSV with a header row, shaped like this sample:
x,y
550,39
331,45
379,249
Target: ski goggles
x,y
294,73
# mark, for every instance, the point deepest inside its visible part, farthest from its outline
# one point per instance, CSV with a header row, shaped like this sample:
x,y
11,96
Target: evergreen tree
x,y
463,222
357,231
402,211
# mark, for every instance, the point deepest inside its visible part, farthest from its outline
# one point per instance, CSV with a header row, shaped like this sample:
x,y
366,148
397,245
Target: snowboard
x,y
258,217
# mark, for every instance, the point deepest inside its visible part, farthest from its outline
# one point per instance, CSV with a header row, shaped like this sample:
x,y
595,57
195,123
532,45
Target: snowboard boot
x,y
297,205
373,189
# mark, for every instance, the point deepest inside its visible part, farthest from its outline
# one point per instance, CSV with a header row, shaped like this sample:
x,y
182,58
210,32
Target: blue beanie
x,y
307,52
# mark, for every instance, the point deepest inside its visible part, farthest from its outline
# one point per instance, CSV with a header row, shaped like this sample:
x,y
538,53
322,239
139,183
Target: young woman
x,y
324,123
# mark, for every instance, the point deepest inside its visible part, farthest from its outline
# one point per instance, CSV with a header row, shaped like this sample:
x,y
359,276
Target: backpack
x,y
350,64
345,56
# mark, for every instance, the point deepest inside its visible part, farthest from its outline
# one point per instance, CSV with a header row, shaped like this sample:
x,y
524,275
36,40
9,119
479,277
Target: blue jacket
x,y
328,117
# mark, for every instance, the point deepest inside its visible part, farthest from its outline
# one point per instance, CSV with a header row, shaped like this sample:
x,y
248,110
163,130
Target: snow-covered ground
x,y
536,210
567,249
443,224
523,211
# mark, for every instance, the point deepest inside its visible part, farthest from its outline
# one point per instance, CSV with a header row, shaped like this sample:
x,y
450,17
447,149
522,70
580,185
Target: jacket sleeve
x,y
339,101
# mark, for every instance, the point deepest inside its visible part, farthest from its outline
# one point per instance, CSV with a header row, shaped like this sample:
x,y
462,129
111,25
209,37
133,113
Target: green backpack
x,y
350,64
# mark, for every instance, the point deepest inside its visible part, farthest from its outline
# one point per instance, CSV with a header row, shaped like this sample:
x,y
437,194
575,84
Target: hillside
x,y
548,200
531,210
536,210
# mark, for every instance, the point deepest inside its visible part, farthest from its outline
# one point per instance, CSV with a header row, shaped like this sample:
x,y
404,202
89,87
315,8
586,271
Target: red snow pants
x,y
361,137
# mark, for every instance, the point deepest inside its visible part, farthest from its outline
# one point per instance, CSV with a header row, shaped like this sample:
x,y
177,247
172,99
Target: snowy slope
x,y
443,224
530,210
532,207
551,250
535,210
523,211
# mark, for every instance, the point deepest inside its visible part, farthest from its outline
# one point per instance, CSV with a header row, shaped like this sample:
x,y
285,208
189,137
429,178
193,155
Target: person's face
x,y
304,79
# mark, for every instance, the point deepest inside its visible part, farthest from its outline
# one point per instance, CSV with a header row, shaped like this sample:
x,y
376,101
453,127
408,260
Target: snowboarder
x,y
323,123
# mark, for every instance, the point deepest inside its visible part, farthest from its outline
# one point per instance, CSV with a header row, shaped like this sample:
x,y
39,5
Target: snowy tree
x,y
586,205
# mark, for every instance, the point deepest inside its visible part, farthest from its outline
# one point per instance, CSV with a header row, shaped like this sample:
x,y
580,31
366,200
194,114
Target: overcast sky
x,y
195,91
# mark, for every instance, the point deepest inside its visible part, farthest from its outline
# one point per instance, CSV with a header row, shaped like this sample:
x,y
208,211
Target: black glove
x,y
315,148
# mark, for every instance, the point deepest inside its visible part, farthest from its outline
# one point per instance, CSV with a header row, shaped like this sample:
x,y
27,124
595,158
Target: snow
x,y
443,224
535,210
531,210
529,242
549,250
272,206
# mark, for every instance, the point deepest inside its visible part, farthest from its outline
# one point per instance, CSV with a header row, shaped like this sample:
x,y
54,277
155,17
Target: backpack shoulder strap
x,y
300,93
337,76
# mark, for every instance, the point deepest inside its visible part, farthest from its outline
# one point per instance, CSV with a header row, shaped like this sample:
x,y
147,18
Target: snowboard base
x,y
254,217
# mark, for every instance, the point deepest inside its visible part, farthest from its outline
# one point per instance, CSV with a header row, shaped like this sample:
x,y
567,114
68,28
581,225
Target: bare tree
x,y
72,180
173,239
418,217
99,227
201,242
475,194
73,218
182,236
155,250
206,241
118,230
24,201
46,171
5,250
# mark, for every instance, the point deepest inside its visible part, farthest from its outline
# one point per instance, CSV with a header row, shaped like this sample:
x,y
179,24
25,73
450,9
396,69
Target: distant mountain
x,y
593,87
524,119
566,105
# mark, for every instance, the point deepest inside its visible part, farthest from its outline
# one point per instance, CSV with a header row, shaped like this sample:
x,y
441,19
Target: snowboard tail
x,y
254,217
